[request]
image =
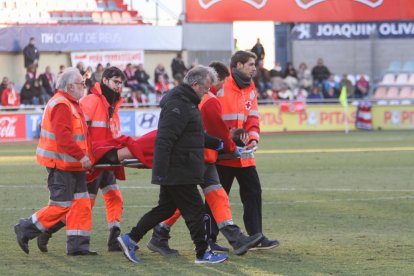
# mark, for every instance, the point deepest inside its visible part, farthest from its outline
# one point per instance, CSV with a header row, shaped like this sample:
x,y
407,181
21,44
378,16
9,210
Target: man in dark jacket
x,y
259,50
31,54
320,73
178,66
178,165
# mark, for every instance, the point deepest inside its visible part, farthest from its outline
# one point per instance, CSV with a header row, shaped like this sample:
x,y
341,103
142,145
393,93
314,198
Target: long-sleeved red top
x,y
62,125
214,125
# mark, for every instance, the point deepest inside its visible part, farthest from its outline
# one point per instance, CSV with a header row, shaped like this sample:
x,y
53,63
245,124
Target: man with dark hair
x,y
320,73
178,165
3,85
48,83
101,109
258,50
31,54
238,100
178,66
222,73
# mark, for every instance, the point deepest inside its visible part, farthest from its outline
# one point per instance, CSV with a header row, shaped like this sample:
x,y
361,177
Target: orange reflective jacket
x,y
48,153
101,127
95,106
240,110
210,156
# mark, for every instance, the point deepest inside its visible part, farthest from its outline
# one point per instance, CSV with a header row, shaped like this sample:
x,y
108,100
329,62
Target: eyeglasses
x,y
117,82
205,88
82,83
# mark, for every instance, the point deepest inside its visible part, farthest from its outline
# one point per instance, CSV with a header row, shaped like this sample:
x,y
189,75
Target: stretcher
x,y
135,163
128,163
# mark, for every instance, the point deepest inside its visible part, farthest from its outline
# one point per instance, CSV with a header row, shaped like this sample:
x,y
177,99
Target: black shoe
x,y
164,250
215,247
22,240
113,244
159,242
246,243
43,240
83,253
266,244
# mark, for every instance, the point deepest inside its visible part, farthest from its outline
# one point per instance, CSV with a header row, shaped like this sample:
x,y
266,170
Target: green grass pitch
x,y
339,204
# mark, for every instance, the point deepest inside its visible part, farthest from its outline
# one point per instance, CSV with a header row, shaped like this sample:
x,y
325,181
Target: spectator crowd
x,y
314,85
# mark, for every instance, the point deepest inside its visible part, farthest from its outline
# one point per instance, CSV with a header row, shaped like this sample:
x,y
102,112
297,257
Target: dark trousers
x,y
250,194
188,200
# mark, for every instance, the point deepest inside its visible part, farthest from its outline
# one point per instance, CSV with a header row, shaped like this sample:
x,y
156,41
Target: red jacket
x,y
10,97
214,125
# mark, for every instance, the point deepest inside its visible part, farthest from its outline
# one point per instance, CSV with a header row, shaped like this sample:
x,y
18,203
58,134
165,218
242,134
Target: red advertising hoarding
x,y
12,127
299,10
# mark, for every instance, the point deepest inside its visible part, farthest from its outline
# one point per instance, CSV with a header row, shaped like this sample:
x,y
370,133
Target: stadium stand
x,y
396,87
402,79
411,80
14,12
106,17
394,67
392,93
408,67
388,79
406,93
380,93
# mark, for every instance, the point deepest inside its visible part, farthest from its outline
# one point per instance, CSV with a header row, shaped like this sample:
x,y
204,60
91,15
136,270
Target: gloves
x,y
238,152
86,162
221,146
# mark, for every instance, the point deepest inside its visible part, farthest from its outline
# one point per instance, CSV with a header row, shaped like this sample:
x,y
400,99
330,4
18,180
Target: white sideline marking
x,y
336,190
264,203
335,150
155,187
20,158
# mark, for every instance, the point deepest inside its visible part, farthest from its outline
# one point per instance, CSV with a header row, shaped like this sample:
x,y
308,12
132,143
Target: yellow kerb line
x,y
16,159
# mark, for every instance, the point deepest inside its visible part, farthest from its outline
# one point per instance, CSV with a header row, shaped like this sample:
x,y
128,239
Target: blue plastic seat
x,y
408,67
394,67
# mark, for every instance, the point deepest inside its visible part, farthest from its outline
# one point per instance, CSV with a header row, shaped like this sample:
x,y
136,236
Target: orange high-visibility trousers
x,y
111,194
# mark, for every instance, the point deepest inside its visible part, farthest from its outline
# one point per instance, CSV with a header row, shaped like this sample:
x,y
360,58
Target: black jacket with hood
x,y
180,141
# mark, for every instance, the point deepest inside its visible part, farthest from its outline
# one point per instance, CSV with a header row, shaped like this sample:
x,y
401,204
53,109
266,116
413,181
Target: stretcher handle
x,y
228,156
130,163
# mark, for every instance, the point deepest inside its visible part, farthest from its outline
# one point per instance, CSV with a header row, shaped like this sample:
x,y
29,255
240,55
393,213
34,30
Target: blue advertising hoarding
x,y
353,30
68,38
33,121
127,119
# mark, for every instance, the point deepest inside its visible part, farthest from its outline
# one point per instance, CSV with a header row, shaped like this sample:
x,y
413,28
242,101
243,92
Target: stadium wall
x,y
207,42
354,56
